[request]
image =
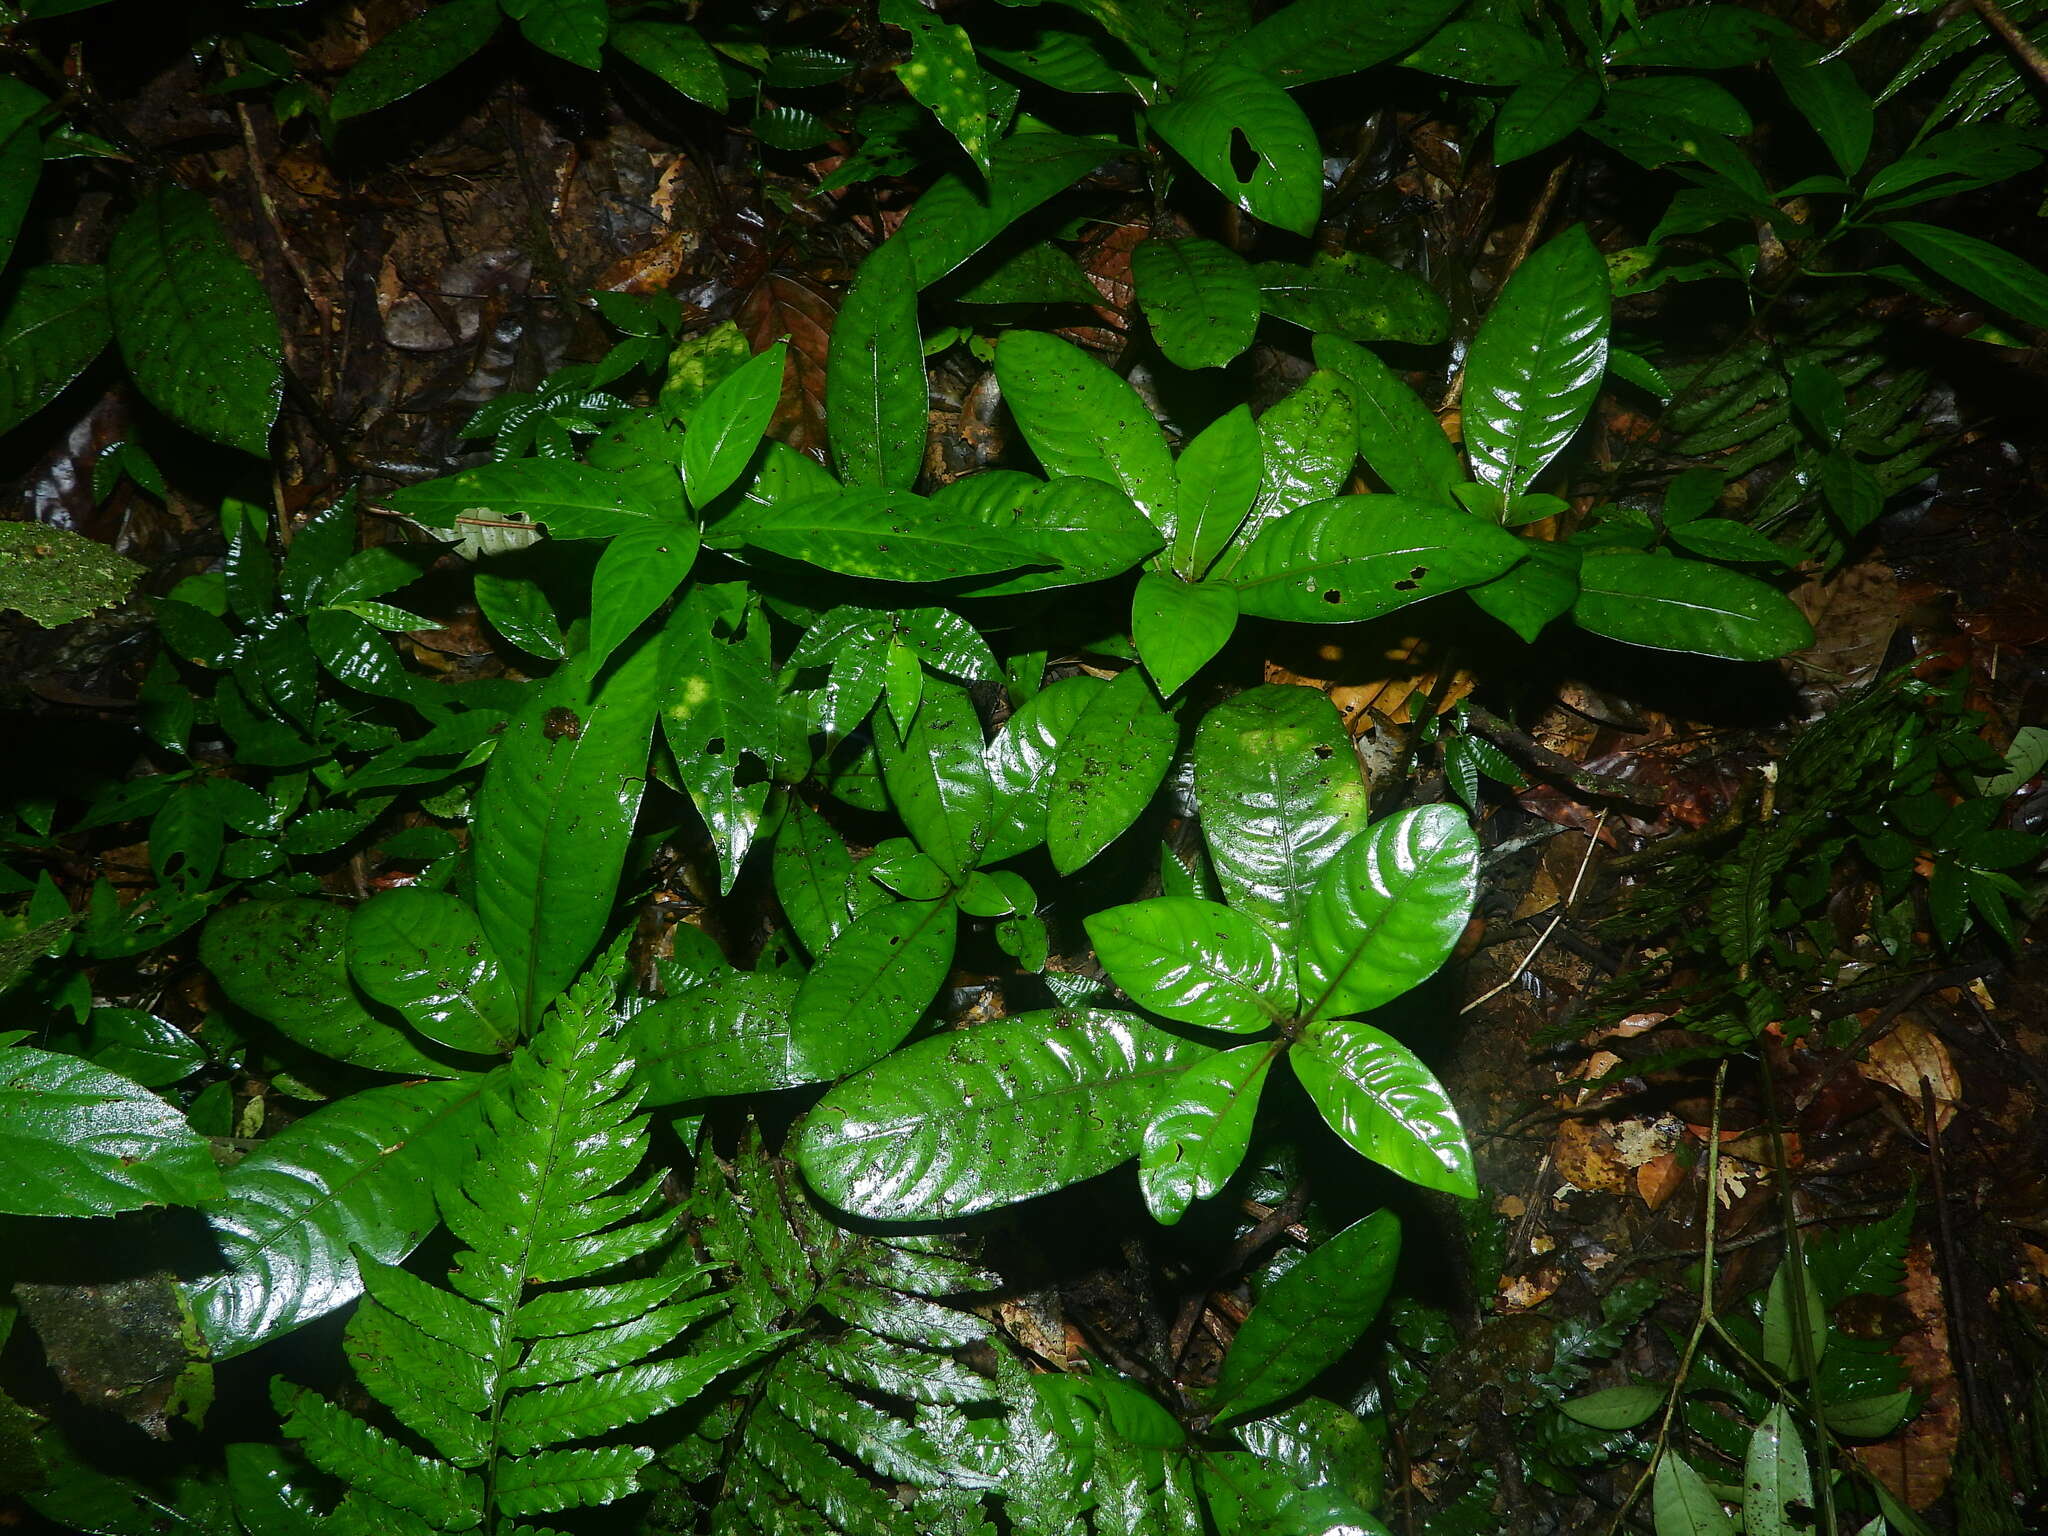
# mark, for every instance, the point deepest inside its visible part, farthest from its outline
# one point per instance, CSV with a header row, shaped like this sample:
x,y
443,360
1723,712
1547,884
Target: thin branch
x,y
1592,842
2018,41
1533,754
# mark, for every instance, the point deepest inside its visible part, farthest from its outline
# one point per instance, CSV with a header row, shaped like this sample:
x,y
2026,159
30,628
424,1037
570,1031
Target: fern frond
x,y
496,1377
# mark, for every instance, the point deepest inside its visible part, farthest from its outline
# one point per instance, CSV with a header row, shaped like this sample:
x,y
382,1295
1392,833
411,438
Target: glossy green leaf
x,y
519,610
1530,596
1386,913
637,573
21,156
1828,97
194,324
1976,266
1614,1408
1721,538
1686,98
1217,477
1869,1418
356,1174
1697,37
133,1044
1385,1103
1200,1128
874,375
571,30
1066,61
1037,274
1280,794
1355,297
1020,763
1537,362
1308,443
1358,557
938,780
424,953
1316,1442
1178,626
415,54
1195,961
555,814
1200,299
77,1140
722,721
878,535
954,219
1246,1496
1311,1315
1081,419
676,55
287,963
1793,1306
979,1118
55,323
1542,110
1687,605
1225,105
811,870
870,987
943,74
573,501
1109,766
1682,1503
729,1035
1092,527
1777,1484
1398,436
1320,39
727,428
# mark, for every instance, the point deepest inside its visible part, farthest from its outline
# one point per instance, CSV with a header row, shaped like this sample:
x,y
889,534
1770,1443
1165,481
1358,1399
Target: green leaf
x,y
21,157
944,75
1081,419
1777,1486
1697,37
2025,757
953,220
1109,766
1021,762
554,816
574,501
1686,98
1721,538
937,779
1310,1316
1397,435
1385,1103
1869,1418
54,575
1537,362
571,30
1318,1443
355,1175
1280,794
676,55
1686,605
1543,109
1321,39
870,987
1976,266
878,535
1218,477
1683,1504
984,1117
1200,1128
1358,557
1250,1497
726,429
286,962
874,375
1094,528
1353,296
424,953
76,1140
1226,105
1529,596
1200,299
730,1035
1037,274
1481,51
723,709
1066,61
56,322
195,326
1195,961
1793,1304
638,572
1178,626
1386,913
415,55
519,610
1307,445
1615,1408
1828,97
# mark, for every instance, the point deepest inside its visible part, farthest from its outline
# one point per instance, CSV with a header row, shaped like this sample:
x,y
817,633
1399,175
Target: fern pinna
x,y
522,1355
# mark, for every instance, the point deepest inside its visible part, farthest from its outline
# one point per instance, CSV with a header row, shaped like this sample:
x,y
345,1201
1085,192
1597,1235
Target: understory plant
x,y
476,1191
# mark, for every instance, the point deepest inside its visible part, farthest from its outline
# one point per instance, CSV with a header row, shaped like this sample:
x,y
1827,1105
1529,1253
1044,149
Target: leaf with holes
x,y
1385,1103
1537,362
1109,766
1081,419
1245,137
194,324
1386,913
1200,299
1358,557
1670,604
1195,961
1200,1129
980,1118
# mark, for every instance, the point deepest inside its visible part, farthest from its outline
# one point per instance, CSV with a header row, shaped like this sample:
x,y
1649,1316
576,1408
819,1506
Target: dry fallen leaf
x,y
1908,1054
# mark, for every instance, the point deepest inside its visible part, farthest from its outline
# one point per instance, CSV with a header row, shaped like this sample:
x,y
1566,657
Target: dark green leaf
x,y
1195,961
676,55
1357,557
1544,108
1178,626
1828,97
937,779
1319,1443
1531,595
1066,61
985,1117
574,501
1218,477
1081,419
638,572
953,220
1686,98
519,610
194,324
1307,445
1200,299
1021,763
1398,436
870,987
1353,296
76,1140
731,1035
1385,1103
1226,105
1037,274
1200,1128
1321,39
726,429
1481,51
572,30
1615,1408
1697,37
414,55
152,1051
55,324
1719,538
1386,913
1994,275
1109,766
1686,605
21,156
944,75
874,379
1094,528
812,870
880,535
424,953
723,710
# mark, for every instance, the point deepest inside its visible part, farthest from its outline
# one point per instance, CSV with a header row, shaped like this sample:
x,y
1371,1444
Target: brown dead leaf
x,y
1916,1463
780,305
1854,612
1522,1292
1586,1157
1659,1179
1909,1053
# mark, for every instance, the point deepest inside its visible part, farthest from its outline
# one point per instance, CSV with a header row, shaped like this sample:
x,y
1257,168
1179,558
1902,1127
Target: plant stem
x,y
2021,45
1533,754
